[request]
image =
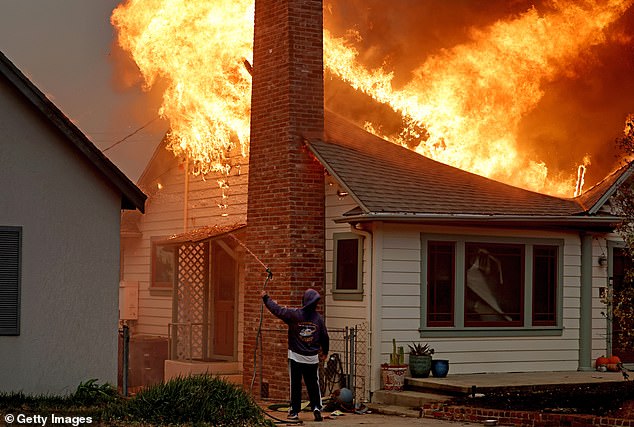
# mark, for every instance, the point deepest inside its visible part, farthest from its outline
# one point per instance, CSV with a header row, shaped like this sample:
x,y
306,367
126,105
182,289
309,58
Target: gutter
x,y
525,220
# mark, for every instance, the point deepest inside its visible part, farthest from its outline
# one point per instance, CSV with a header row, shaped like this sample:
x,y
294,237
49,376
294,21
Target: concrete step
x,y
400,411
436,386
407,398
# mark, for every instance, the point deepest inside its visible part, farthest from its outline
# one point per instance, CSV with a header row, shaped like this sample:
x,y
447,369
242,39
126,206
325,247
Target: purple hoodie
x,y
307,333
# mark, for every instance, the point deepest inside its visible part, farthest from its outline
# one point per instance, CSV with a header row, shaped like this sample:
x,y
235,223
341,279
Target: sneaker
x,y
317,414
292,416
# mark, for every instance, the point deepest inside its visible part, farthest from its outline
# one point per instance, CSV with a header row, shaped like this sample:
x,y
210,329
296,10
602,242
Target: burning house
x,y
498,278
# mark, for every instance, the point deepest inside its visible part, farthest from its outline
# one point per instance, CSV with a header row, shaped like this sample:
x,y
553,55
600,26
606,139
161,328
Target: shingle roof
x,y
385,178
132,196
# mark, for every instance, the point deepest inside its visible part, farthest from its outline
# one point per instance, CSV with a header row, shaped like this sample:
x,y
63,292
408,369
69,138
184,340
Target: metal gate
x,y
347,364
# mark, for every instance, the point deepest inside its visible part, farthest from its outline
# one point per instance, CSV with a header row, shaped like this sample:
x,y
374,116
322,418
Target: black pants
x,y
310,373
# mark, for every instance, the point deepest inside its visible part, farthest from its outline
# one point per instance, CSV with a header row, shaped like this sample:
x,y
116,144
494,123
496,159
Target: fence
x,y
347,365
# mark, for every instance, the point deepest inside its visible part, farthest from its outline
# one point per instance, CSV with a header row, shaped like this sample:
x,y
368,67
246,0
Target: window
x,y
10,275
474,284
494,277
347,266
164,265
440,283
545,285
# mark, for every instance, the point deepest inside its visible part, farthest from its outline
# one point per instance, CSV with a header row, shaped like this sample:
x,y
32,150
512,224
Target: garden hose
x,y
269,276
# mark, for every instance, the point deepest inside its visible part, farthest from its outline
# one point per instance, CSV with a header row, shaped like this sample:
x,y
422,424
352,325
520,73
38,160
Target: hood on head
x,y
311,297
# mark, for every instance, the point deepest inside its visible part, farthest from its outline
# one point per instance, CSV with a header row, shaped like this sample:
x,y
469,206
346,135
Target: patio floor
x,y
457,384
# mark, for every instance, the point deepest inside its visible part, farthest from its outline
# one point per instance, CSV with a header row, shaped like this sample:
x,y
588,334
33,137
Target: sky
x,y
65,47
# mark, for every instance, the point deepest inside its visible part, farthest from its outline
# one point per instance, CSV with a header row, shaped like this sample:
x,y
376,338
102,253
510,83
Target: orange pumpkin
x,y
602,360
613,367
614,359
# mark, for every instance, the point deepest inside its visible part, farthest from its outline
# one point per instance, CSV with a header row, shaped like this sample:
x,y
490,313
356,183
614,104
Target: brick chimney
x,y
285,215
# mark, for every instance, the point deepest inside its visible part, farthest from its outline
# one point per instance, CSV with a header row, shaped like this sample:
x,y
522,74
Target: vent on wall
x,y
10,273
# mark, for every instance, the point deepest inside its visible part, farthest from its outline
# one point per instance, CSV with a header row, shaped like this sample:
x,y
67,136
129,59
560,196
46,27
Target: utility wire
x,y
130,135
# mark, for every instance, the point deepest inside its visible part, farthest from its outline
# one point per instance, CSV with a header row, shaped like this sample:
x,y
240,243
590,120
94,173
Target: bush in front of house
x,y
201,399
89,399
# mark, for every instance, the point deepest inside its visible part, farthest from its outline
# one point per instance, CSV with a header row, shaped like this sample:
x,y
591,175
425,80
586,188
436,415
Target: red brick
x,y
285,214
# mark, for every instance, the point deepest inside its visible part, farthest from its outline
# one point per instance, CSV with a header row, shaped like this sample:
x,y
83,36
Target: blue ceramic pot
x,y
439,368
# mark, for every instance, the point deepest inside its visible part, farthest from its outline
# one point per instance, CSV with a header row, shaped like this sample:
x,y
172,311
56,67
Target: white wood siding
x,y
342,313
399,307
165,217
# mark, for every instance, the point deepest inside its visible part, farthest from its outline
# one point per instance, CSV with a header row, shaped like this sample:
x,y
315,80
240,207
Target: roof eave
x,y
133,197
602,223
610,192
334,174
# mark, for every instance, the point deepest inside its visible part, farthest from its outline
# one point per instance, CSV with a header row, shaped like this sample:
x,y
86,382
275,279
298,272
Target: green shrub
x,y
91,393
201,399
90,399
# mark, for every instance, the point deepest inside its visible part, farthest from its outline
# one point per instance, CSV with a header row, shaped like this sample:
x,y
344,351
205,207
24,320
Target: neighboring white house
x,y
495,278
60,207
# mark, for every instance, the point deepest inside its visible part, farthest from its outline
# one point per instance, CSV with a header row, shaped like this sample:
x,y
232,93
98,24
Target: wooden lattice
x,y
192,301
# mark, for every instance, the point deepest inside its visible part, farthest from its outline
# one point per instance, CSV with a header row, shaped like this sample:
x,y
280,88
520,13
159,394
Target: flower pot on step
x,y
439,368
393,377
419,365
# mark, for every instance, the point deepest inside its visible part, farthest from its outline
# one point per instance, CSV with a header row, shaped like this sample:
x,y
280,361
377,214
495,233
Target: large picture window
x,y
475,284
494,291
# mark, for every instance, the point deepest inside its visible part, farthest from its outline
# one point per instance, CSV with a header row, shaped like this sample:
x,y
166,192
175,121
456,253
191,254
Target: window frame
x,y
14,330
452,314
528,328
348,294
162,286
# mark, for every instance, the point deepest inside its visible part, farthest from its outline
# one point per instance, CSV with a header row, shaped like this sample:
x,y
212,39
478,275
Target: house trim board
x,y
585,309
376,324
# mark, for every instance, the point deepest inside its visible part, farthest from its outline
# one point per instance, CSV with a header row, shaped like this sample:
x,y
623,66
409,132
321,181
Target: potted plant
x,y
393,373
439,368
420,360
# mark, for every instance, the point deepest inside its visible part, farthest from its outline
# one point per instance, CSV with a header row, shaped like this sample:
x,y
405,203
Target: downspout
x,y
186,196
368,235
585,309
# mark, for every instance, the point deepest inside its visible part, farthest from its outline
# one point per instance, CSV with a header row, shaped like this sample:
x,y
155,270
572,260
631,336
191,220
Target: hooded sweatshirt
x,y
307,333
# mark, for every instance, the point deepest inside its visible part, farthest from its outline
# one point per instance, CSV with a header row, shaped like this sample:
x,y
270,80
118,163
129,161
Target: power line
x,y
132,134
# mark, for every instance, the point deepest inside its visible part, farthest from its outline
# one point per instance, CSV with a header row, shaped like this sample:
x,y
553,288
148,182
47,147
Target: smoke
x,y
582,109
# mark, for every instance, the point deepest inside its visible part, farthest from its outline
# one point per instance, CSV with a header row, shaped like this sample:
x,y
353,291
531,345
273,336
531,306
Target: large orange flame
x,y
198,49
462,107
469,100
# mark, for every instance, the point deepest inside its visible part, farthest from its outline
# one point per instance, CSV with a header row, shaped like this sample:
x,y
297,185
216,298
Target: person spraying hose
x,y
308,342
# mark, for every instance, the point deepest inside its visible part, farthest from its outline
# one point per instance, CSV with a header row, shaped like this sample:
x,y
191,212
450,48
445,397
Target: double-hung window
x,y
347,266
478,284
164,265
